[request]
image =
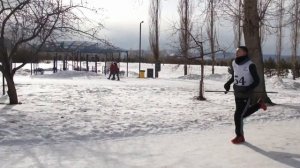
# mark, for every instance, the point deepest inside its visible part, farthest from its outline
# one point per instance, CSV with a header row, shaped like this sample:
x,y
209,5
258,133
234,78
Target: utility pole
x,y
140,47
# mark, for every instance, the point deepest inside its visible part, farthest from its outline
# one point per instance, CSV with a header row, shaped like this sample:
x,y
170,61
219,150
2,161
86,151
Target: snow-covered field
x,y
81,119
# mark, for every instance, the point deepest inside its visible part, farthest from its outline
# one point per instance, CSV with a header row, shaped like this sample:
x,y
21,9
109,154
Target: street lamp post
x,y
140,45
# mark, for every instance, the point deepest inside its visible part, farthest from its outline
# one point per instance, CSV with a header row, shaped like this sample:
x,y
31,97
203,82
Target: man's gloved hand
x,y
227,87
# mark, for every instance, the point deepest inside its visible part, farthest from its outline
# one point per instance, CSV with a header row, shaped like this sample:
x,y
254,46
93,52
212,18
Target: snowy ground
x,y
79,119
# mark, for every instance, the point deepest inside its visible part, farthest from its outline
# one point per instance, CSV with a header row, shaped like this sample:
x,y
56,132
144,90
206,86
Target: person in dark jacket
x,y
112,71
245,79
117,70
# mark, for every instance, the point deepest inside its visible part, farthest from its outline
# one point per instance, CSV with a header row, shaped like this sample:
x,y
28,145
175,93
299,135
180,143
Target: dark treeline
x,y
282,68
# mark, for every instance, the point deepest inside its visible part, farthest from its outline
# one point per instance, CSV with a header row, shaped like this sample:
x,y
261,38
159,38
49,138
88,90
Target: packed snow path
x,y
272,144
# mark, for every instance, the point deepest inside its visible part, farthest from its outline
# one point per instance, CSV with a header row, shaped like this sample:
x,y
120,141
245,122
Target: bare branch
x,y
19,67
14,10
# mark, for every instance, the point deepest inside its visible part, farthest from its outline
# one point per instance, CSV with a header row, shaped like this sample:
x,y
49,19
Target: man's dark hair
x,y
244,48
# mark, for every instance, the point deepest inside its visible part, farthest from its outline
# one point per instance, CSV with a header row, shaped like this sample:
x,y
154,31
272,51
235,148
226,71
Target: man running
x,y
245,79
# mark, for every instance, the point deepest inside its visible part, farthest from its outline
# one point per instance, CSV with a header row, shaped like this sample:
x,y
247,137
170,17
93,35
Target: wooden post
x,y
80,60
105,64
77,54
87,62
127,61
96,59
73,60
31,68
64,62
54,62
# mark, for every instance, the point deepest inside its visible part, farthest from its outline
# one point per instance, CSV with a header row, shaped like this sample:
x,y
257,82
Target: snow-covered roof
x,y
81,46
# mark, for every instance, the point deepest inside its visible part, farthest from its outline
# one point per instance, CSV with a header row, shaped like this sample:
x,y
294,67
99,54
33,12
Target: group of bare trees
x,y
295,35
287,16
279,32
185,10
186,24
253,22
30,24
279,18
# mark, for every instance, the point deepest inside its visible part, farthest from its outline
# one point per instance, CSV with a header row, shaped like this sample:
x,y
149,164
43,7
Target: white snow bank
x,y
281,83
190,77
67,74
217,77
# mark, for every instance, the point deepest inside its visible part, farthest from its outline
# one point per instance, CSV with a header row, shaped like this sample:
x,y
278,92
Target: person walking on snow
x,y
112,71
245,79
117,71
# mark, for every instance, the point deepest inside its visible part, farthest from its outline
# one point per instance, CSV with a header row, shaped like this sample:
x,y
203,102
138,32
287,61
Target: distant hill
x,y
226,56
219,56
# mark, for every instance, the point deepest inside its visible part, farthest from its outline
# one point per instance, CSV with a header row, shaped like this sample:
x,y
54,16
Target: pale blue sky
x,y
121,19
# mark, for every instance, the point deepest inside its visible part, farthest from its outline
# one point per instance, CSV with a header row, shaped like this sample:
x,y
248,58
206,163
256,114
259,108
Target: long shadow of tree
x,y
296,107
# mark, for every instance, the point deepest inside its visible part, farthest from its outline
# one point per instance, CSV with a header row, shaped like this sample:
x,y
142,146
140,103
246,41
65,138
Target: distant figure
x,y
111,71
245,79
117,71
114,70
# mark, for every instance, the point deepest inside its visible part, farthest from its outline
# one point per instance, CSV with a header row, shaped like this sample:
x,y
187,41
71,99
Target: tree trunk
x,y
239,25
157,31
185,12
252,40
212,35
6,69
154,30
295,40
279,36
201,86
12,92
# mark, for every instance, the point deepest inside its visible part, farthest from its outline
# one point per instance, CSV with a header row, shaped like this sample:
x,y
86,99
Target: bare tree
x,y
197,44
27,23
279,33
201,84
251,28
211,30
295,33
233,11
238,24
154,27
185,8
